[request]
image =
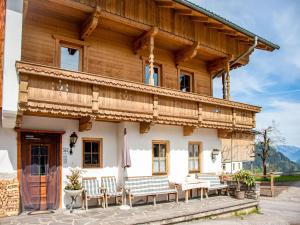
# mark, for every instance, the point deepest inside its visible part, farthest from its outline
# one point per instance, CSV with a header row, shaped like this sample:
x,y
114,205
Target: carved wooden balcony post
x,y
151,60
95,96
228,80
224,86
23,95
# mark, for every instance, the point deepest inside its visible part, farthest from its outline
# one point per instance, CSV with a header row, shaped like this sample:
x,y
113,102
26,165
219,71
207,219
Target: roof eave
x,y
228,23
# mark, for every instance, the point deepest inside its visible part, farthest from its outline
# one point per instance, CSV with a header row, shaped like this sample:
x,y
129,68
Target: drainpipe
x,y
240,57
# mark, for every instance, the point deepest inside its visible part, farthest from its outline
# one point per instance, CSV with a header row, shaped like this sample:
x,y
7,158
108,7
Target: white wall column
x,y
12,53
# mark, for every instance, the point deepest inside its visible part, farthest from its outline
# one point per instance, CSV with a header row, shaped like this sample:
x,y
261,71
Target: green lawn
x,y
283,178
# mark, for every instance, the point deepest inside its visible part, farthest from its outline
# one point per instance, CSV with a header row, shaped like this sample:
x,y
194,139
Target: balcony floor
x,y
163,213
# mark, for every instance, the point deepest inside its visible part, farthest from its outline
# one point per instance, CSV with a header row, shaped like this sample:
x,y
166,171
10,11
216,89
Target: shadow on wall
x,y
6,165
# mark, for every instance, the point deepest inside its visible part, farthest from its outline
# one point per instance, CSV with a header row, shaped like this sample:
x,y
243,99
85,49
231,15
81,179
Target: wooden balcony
x,y
55,92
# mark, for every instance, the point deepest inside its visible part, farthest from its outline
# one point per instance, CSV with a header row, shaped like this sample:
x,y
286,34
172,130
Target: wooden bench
x,y
214,183
149,186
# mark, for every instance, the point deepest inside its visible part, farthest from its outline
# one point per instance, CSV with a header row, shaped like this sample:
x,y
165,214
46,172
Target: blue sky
x,y
271,79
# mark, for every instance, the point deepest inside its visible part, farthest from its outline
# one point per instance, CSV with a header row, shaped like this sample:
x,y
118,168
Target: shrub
x,y
74,180
244,177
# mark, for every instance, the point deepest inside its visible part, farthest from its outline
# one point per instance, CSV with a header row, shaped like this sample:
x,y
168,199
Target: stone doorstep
x,y
200,215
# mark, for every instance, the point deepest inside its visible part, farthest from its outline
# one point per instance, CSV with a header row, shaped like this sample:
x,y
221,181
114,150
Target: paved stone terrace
x,y
166,212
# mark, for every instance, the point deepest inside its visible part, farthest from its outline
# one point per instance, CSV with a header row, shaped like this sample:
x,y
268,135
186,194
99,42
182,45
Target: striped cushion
x,y
110,185
214,180
148,185
92,187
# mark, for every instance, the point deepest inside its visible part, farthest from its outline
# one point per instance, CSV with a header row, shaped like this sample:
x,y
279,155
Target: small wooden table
x,y
188,186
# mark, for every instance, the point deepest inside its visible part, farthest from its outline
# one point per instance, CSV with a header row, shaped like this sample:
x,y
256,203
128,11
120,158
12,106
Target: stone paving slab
x,y
139,214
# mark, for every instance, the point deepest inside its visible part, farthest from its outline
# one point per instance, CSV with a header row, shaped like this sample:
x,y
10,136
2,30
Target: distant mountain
x,y
292,152
276,162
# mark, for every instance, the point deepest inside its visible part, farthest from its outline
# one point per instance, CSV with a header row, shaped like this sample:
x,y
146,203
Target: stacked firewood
x,y
9,197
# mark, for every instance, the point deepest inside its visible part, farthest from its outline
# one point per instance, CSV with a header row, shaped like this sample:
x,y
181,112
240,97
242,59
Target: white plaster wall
x,y
12,52
105,130
8,150
140,146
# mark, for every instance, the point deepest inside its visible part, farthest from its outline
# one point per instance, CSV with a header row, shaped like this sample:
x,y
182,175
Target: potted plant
x,y
243,177
74,187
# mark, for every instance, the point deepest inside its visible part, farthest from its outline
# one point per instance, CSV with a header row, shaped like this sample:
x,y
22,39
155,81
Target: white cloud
x,y
285,114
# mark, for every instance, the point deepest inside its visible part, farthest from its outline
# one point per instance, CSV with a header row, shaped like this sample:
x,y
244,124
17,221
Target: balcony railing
x,y
53,91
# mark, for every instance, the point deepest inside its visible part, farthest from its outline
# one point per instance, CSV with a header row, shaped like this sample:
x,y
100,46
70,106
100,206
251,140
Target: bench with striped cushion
x,y
149,186
109,185
214,182
92,189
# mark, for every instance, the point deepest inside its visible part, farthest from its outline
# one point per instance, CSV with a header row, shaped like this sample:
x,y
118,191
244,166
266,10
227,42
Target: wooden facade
x,y
117,38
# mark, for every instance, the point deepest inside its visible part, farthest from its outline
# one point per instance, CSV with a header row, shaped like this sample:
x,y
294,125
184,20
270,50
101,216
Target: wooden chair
x,y
92,189
109,186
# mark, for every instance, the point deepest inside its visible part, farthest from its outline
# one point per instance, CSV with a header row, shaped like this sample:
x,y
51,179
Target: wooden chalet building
x,y
95,67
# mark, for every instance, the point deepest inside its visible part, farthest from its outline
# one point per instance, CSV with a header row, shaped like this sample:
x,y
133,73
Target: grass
x,y
283,178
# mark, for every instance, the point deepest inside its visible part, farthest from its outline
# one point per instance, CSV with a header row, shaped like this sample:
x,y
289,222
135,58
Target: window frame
x,y
100,153
63,44
167,143
156,64
191,75
73,43
199,156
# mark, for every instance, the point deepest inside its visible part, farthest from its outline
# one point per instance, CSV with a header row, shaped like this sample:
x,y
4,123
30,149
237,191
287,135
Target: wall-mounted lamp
x,y
73,140
214,154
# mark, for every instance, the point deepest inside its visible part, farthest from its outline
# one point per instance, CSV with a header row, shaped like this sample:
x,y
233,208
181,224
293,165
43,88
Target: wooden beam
x,y
218,65
144,41
215,25
227,69
165,4
187,130
229,32
73,4
86,123
90,24
144,127
200,19
184,12
224,86
187,53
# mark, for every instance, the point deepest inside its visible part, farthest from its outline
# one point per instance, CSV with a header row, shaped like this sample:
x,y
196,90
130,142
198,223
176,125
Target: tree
x,y
265,138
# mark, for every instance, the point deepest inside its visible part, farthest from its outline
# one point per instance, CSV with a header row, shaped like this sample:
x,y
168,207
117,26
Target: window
x,y
233,166
239,166
160,157
39,159
156,75
92,153
70,57
194,157
185,80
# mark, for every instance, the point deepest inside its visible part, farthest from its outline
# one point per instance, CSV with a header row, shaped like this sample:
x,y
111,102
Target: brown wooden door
x,y
39,163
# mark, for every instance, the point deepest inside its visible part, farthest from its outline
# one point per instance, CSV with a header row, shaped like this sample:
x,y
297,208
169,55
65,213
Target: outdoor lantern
x,y
214,153
73,140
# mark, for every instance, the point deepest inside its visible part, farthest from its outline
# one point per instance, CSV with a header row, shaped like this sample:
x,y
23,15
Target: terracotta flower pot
x,y
240,194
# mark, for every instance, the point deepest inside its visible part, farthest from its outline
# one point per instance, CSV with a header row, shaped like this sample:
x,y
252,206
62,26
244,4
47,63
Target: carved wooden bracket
x,y
23,95
144,41
145,127
86,123
218,65
90,24
184,12
187,130
187,53
95,102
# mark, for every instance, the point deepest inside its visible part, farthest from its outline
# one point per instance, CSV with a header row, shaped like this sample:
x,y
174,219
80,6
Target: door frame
x,y
19,155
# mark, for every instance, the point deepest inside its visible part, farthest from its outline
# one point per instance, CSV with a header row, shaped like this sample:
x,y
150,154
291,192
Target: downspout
x,y
240,57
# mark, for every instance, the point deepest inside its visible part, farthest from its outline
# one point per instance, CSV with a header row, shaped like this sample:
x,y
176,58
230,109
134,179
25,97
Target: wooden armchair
x,y
109,185
92,189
